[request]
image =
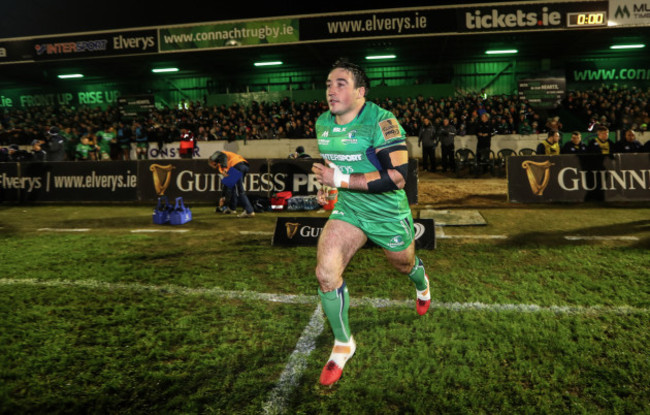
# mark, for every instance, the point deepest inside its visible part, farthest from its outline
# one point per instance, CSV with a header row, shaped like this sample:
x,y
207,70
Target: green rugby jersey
x,y
105,142
352,148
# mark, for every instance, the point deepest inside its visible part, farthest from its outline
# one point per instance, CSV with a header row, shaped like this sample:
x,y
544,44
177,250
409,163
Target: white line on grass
x,y
63,229
158,230
440,234
600,238
167,289
474,237
313,299
277,400
256,233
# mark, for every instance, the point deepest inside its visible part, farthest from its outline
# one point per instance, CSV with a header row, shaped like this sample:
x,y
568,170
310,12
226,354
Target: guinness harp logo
x,y
292,228
162,175
538,175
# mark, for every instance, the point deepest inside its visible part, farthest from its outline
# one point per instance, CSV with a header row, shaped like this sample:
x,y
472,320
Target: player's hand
x,y
321,196
324,174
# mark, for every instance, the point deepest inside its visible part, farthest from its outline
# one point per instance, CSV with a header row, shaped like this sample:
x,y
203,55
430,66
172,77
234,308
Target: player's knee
x,y
328,278
403,266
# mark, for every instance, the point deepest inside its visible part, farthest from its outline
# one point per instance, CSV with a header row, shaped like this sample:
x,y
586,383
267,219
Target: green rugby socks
x,y
336,304
417,275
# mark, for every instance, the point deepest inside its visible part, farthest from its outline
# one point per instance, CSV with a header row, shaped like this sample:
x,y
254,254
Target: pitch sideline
x,y
313,299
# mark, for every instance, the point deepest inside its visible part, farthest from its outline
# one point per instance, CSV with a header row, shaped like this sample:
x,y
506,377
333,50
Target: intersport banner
x,y
224,35
579,178
91,45
130,181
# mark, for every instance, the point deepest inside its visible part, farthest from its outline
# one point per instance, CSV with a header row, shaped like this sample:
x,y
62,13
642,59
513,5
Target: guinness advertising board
x,y
579,178
304,231
146,180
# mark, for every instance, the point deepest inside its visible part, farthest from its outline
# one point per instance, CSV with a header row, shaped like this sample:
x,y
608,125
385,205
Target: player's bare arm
x,y
394,161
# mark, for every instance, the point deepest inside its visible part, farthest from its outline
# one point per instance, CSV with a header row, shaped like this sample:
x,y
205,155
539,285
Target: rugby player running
x,y
365,151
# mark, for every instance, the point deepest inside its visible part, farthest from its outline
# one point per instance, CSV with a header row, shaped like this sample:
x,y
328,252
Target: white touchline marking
x,y
521,308
168,289
600,238
255,233
158,230
440,234
473,237
313,299
63,229
277,400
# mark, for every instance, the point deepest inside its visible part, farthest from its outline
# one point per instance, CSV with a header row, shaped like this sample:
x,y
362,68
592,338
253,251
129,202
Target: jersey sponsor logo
x,y
390,129
322,142
342,157
325,134
346,169
339,129
351,138
396,241
338,212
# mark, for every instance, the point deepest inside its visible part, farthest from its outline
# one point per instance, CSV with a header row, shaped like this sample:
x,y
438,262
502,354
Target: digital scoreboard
x,y
587,19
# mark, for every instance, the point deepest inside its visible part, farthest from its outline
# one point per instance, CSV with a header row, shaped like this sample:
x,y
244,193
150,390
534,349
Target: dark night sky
x,y
43,17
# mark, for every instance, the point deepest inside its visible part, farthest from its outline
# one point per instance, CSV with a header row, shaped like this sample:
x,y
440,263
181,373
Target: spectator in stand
x,y
446,134
601,144
428,140
106,139
254,134
575,145
17,155
629,144
299,153
186,150
124,134
94,148
554,124
55,147
266,133
550,146
83,150
141,141
38,154
483,135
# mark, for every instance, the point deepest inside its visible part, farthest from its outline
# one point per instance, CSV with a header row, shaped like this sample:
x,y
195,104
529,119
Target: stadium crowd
x,y
95,133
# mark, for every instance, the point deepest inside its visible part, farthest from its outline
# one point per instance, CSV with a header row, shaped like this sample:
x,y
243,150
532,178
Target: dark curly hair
x,y
358,74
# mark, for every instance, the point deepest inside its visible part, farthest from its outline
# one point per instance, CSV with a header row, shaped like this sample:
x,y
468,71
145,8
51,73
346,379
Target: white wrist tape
x,y
340,179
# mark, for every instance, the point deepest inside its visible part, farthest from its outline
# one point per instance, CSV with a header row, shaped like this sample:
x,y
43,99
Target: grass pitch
x,y
110,321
